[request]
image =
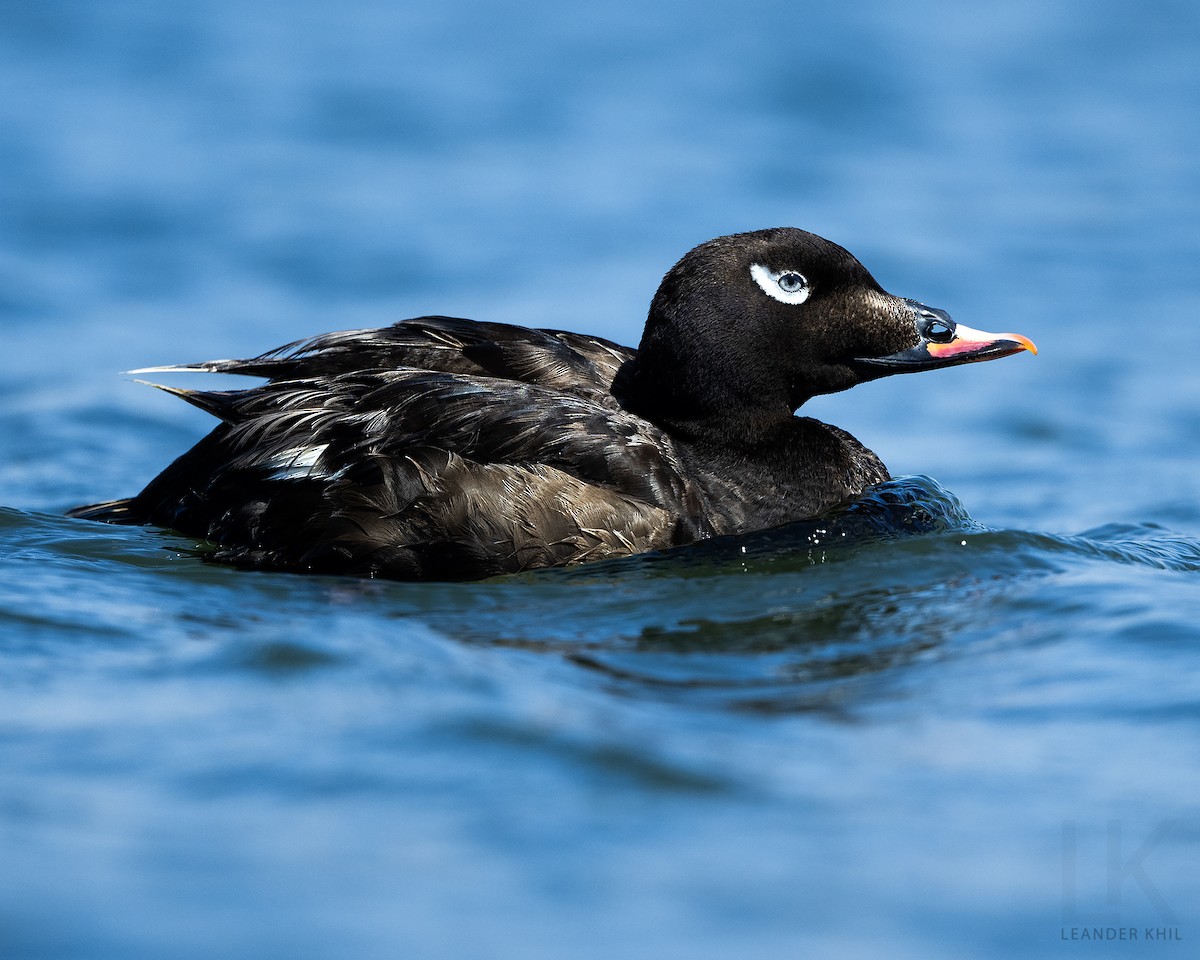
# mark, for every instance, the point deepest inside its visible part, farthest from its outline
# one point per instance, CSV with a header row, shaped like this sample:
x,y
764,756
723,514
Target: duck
x,y
441,448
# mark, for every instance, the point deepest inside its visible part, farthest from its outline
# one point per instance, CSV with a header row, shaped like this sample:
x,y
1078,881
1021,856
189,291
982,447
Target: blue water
x,y
977,739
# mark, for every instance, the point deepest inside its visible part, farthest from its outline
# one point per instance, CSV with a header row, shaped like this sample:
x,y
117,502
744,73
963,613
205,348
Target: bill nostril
x,y
937,330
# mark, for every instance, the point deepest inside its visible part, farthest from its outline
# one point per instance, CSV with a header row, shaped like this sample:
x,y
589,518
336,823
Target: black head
x,y
746,328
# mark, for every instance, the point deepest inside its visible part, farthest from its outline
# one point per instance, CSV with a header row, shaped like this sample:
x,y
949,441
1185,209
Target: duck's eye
x,y
939,331
786,286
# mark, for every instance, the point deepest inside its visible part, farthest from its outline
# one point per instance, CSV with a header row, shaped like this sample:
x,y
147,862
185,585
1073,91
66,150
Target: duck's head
x,y
750,326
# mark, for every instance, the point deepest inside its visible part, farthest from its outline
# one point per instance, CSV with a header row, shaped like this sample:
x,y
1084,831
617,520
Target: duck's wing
x,y
435,515
571,362
419,473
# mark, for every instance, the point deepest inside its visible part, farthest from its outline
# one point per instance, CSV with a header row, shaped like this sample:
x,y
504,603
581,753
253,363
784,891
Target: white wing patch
x,y
296,463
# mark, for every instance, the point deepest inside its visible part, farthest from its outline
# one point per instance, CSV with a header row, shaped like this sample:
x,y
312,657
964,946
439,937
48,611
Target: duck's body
x,y
449,449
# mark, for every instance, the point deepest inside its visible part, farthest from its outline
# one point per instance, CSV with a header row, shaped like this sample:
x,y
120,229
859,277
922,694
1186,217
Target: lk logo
x,y
1116,872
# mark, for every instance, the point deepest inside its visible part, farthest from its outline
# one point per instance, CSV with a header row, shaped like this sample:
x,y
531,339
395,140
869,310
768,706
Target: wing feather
x,y
552,358
419,473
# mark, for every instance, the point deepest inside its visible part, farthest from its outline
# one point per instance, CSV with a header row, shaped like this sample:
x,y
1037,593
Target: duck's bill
x,y
944,343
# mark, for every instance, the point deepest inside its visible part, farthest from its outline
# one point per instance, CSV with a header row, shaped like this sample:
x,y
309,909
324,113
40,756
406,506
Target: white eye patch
x,y
786,286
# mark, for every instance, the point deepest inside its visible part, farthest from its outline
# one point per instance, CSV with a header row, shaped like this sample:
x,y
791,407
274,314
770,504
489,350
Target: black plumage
x,y
451,449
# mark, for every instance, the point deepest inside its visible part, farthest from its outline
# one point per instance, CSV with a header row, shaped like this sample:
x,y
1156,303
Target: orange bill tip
x,y
1023,341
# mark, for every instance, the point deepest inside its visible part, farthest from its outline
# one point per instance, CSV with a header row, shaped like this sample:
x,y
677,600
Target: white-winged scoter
x,y
440,448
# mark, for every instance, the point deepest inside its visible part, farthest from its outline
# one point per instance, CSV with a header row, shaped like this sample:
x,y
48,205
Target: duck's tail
x,y
111,511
